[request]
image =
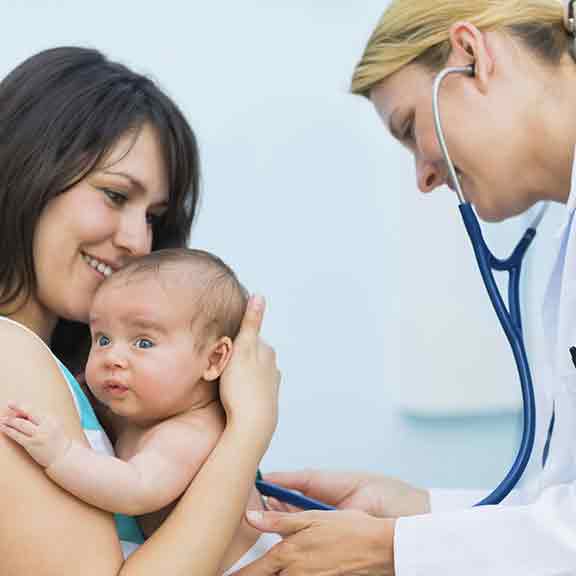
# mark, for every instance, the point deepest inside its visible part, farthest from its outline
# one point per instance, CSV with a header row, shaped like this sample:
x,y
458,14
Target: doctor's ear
x,y
219,353
470,46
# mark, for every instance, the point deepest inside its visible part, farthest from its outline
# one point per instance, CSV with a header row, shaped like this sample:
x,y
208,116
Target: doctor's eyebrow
x,y
393,125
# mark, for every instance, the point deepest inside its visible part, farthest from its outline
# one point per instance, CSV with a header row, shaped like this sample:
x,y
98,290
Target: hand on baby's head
x,y
249,384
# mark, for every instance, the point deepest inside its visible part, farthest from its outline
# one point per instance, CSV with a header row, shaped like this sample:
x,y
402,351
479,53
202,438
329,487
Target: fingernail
x,y
254,515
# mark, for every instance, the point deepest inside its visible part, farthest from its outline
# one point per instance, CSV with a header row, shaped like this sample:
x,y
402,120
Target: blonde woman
x,y
511,130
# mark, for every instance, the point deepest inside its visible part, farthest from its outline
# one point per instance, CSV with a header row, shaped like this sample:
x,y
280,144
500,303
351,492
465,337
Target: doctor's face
x,y
489,129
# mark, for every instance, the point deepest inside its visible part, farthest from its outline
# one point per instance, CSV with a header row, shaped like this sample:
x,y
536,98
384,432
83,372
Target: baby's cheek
x,y
90,371
151,377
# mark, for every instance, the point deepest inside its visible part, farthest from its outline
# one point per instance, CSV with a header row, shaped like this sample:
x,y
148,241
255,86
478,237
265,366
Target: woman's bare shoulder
x,y
66,535
30,374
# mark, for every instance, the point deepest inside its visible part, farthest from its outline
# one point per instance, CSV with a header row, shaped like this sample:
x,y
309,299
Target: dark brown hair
x,y
61,112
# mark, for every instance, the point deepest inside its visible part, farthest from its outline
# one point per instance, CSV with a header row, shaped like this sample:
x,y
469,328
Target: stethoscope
x,y
509,318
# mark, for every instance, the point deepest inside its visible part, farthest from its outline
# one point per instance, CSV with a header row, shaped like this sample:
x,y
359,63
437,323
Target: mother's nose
x,y
134,234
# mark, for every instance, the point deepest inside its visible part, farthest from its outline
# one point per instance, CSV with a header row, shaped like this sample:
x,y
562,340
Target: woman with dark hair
x,y
97,165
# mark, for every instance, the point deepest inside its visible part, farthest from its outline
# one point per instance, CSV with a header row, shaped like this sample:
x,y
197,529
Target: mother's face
x,y
490,122
96,226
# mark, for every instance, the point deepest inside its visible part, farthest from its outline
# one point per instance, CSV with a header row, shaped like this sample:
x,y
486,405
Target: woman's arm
x,y
44,530
153,478
339,542
375,494
359,539
210,511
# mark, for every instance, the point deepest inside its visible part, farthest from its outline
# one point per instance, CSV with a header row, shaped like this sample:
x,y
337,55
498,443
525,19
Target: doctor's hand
x,y
250,381
342,542
372,493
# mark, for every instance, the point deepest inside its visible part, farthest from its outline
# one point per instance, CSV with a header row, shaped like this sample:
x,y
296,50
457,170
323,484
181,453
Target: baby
x,y
162,330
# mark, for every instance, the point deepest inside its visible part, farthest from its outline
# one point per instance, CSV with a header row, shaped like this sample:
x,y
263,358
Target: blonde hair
x,y
418,30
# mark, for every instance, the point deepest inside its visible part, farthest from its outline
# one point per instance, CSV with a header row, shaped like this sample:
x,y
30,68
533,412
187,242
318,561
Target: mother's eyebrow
x,y
132,179
137,184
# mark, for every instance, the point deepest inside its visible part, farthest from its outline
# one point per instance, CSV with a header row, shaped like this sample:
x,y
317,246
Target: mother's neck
x,y
33,316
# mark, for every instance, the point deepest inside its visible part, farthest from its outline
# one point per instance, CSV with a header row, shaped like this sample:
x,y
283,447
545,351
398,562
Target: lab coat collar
x,y
559,309
571,204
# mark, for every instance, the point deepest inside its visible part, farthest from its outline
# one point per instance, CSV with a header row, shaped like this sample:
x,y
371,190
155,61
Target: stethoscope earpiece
x,y
570,23
509,316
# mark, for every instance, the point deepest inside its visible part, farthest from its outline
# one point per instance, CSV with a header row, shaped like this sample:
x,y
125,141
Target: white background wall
x,y
391,357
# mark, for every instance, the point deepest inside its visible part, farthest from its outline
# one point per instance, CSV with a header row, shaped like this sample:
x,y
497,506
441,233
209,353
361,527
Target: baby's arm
x,y
150,480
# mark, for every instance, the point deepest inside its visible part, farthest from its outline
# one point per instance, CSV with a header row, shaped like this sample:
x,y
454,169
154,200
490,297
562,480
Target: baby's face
x,y
145,361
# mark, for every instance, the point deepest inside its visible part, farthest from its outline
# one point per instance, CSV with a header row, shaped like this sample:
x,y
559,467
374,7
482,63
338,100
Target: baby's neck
x,y
199,410
132,436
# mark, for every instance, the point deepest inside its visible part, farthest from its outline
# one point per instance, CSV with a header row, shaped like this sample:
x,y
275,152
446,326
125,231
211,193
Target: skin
x,y
511,97
156,372
157,375
92,219
141,337
111,222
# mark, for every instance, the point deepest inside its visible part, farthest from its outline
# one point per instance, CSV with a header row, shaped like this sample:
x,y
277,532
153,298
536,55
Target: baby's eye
x,y
144,343
102,340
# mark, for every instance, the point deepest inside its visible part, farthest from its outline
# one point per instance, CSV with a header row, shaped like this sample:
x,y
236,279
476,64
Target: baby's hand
x,y
41,436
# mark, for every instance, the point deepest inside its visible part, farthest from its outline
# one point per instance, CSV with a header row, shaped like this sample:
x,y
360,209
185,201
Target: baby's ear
x,y
218,356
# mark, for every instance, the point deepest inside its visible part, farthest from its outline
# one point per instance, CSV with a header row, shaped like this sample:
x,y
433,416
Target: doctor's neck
x,y
554,123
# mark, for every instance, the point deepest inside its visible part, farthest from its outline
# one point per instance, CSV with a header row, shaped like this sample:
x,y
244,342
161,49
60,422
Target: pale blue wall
x,y
315,206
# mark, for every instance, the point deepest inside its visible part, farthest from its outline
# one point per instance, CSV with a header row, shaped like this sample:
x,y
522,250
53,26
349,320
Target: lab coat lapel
x,y
559,309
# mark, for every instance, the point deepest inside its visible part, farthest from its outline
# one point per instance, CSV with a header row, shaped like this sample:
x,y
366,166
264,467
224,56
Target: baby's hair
x,y
220,298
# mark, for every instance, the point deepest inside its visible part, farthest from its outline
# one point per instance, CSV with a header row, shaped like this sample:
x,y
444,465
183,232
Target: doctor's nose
x,y
429,175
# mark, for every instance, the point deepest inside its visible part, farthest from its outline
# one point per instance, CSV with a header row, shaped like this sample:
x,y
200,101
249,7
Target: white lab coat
x,y
533,532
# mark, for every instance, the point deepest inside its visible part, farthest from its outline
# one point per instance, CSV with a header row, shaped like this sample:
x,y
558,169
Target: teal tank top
x,y
128,530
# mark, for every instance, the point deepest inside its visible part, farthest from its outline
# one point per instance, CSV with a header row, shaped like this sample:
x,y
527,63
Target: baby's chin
x,y
141,418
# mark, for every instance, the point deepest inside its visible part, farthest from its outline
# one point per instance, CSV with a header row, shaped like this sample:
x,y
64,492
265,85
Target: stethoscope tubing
x,y
510,319
290,497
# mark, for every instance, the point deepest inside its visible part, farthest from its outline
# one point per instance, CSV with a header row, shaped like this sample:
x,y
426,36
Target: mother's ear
x,y
470,46
219,353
